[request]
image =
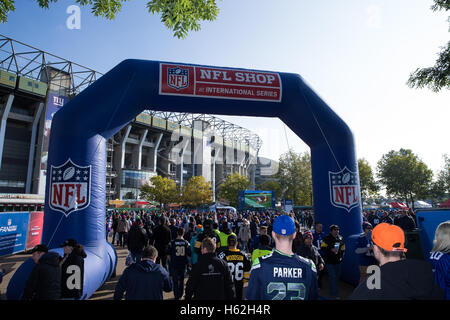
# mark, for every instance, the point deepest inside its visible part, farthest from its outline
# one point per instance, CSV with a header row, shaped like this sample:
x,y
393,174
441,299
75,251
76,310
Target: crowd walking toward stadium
x,y
252,255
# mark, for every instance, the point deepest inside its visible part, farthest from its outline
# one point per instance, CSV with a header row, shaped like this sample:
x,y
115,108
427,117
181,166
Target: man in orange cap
x,y
397,278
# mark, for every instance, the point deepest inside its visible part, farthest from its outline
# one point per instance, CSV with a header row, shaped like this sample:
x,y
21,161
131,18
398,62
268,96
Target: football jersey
x,y
441,268
278,276
238,264
179,250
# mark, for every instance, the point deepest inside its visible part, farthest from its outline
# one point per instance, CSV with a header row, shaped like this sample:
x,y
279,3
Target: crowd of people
x,y
278,255
224,250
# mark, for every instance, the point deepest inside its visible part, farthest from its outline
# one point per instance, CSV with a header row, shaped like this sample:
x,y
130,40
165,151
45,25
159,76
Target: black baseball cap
x,y
40,248
69,243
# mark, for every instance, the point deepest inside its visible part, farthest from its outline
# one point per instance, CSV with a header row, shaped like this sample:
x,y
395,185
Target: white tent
x,y
421,204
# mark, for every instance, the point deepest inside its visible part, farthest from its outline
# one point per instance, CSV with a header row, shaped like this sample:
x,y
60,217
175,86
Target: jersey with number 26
x,y
278,276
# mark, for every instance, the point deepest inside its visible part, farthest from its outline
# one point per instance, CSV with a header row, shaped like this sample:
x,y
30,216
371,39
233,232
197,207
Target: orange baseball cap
x,y
389,237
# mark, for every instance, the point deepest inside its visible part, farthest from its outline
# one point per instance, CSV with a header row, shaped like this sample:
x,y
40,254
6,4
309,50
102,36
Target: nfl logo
x,y
344,189
70,187
177,78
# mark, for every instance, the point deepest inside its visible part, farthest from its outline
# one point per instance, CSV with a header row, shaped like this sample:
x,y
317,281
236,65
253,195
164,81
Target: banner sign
x,y
35,229
54,103
220,83
13,232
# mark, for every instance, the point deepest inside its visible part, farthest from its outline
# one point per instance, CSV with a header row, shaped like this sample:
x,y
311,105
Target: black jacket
x,y
144,280
406,223
69,285
137,238
210,279
44,282
402,280
162,237
330,242
312,253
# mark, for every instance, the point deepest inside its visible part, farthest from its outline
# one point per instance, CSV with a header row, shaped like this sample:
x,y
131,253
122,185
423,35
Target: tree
x,y
436,77
271,185
162,190
404,175
295,178
230,188
196,192
440,188
179,16
367,183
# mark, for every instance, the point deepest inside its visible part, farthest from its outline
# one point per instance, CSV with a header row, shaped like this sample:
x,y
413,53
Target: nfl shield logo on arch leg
x,y
70,187
344,189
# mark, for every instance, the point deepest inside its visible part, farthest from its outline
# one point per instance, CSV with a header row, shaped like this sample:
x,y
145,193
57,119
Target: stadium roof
x,y
25,60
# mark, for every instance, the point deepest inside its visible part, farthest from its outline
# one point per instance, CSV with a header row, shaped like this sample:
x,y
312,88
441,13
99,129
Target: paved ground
x,y
106,292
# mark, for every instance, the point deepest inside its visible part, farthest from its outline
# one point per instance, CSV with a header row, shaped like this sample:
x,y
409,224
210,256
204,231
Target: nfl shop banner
x,y
13,232
35,229
70,187
344,189
219,83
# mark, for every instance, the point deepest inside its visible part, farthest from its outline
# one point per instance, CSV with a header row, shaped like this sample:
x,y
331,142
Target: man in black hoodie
x,y
72,270
44,282
144,280
210,278
397,278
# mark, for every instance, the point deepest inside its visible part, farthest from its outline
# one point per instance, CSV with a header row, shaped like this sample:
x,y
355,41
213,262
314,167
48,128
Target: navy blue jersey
x,y
179,251
278,276
441,267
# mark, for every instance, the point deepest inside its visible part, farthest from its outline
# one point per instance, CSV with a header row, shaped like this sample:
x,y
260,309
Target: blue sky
x,y
356,54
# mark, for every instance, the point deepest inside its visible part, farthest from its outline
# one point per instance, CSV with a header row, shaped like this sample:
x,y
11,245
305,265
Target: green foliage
x,y
196,192
368,185
182,16
162,190
404,175
294,176
6,6
230,188
440,188
438,76
271,185
179,16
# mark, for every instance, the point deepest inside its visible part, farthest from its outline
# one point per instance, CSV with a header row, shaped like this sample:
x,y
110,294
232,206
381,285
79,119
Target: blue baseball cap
x,y
284,225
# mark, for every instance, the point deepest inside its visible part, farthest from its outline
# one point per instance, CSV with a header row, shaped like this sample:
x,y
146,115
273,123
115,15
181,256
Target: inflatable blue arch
x,y
75,195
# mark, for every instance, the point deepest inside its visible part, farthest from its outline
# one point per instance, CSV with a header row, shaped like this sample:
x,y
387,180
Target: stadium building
x,y
34,84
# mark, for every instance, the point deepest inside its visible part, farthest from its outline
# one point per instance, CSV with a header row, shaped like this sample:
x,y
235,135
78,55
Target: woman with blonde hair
x,y
440,257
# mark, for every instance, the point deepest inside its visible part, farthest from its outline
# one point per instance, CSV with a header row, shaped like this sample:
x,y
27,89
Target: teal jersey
x,y
278,276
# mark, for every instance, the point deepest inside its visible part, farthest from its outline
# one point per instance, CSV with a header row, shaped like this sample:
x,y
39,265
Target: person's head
x,y
334,230
283,230
149,253
68,245
37,252
441,240
162,220
367,227
307,238
208,246
191,226
232,242
389,243
207,224
318,227
263,230
180,232
215,225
